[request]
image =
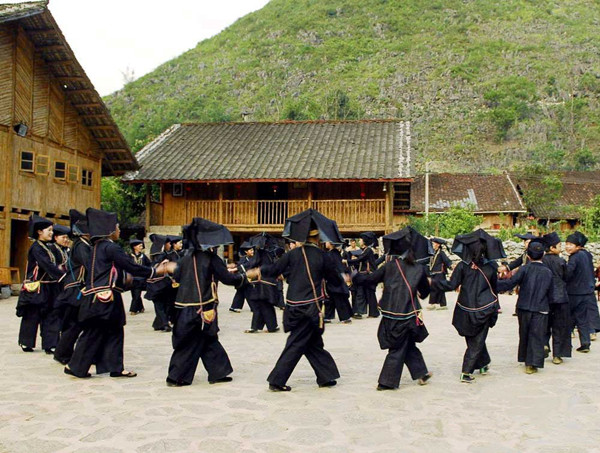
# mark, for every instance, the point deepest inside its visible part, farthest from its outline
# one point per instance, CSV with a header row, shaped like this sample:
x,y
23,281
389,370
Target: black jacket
x,y
265,288
300,290
439,263
211,269
333,288
477,303
580,273
536,291
558,266
399,300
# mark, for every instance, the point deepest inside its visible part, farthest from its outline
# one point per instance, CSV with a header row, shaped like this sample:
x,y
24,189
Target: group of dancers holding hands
x,y
73,295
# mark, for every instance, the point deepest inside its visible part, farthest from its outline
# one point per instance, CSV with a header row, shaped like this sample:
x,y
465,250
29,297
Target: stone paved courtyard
x,y
43,410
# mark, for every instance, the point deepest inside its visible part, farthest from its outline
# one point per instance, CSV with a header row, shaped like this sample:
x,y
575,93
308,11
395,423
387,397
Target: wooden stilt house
x,y
252,176
56,135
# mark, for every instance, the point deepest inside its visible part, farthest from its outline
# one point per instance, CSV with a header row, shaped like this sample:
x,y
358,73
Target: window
x,y
156,193
86,177
27,161
42,165
178,189
73,175
60,170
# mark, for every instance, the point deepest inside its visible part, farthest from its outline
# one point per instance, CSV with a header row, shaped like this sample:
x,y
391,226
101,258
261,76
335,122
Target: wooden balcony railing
x,y
236,214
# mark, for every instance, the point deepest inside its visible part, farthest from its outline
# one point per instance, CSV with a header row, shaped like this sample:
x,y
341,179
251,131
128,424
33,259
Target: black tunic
x,y
79,256
558,267
477,303
399,304
107,267
537,287
580,273
41,267
199,291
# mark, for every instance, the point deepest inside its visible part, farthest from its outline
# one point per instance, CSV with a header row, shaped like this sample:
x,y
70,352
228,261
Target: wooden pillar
x,y
389,207
220,203
310,194
148,207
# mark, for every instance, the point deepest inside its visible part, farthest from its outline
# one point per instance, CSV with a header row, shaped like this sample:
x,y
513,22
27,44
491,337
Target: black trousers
x,y
559,329
305,339
366,299
438,296
238,299
137,305
532,332
339,302
580,311
407,354
476,356
161,319
34,316
195,346
593,314
101,342
263,313
71,329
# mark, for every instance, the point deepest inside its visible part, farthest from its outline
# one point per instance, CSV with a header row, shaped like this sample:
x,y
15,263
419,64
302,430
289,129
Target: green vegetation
x,y
591,220
457,220
486,84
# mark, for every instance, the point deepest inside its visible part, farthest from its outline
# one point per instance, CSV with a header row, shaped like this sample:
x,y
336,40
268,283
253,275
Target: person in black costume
x,y
261,294
365,263
159,289
195,332
36,296
306,267
246,253
74,281
559,318
476,309
533,305
401,326
439,265
506,269
54,317
102,313
580,288
337,295
139,284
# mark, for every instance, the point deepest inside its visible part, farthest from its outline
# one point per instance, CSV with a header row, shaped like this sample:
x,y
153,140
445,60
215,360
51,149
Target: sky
x,y
113,37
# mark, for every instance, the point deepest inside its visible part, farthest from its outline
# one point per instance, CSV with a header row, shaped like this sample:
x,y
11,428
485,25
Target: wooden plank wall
x,y
30,94
6,75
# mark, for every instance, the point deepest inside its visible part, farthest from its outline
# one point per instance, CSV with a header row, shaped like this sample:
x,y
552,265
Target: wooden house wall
x,y
31,95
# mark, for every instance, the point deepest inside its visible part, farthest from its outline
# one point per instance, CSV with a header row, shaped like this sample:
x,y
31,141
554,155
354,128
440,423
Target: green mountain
x,y
488,85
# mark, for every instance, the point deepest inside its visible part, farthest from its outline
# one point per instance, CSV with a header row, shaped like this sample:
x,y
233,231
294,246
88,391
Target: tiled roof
x,y
579,189
291,150
42,29
486,193
15,11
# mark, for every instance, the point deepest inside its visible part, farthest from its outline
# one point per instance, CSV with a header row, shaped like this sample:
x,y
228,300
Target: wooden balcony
x,y
270,215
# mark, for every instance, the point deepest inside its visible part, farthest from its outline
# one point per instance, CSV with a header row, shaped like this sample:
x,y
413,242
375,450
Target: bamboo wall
x,y
29,94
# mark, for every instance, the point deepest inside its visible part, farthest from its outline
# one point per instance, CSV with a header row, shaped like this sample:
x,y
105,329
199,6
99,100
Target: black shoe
x,y
276,329
279,388
49,351
583,348
235,310
328,384
26,348
357,316
120,374
346,321
546,352
167,329
70,373
223,379
61,361
172,383
250,331
327,321
381,387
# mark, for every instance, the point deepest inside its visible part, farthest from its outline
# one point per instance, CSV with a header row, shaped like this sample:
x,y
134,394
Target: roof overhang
x,y
39,24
